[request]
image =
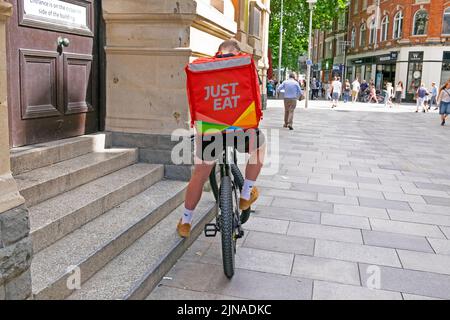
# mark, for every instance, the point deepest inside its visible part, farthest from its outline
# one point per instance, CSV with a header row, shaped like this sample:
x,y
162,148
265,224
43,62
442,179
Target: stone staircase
x,y
98,215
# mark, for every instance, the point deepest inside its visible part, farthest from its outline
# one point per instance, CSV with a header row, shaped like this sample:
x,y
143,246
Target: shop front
x,y
386,69
362,68
415,73
327,70
445,75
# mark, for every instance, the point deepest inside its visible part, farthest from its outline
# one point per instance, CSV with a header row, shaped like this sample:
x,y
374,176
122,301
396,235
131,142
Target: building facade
x,y
75,67
388,41
329,49
411,43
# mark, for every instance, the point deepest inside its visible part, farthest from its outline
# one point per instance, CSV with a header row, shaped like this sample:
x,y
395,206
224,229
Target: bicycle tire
x,y
227,227
239,181
238,178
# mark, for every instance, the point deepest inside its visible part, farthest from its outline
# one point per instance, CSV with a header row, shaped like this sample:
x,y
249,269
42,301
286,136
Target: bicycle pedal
x,y
241,234
211,230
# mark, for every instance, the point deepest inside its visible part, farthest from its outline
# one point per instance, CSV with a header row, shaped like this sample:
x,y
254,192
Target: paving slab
x,y
326,269
396,241
316,231
279,243
410,281
356,253
425,261
334,291
410,228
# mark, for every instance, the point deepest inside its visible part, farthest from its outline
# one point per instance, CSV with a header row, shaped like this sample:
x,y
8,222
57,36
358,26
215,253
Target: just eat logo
x,y
224,96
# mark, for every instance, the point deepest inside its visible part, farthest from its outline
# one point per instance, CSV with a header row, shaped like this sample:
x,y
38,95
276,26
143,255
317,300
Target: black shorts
x,y
210,147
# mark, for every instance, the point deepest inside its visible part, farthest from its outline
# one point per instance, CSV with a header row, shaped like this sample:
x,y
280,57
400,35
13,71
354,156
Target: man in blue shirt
x,y
292,92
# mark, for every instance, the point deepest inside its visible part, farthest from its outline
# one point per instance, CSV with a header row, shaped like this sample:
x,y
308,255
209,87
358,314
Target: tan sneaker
x,y
184,230
246,204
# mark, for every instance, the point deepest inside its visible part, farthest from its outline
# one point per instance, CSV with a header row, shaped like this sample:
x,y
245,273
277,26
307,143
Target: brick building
x,y
409,42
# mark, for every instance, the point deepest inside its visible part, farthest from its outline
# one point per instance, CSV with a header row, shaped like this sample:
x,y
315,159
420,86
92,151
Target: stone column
x,y
15,244
149,43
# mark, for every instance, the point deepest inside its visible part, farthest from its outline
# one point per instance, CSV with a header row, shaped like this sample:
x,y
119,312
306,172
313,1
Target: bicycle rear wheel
x,y
227,226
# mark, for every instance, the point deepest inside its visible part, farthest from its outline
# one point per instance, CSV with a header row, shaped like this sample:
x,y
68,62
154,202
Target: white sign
x,y
57,12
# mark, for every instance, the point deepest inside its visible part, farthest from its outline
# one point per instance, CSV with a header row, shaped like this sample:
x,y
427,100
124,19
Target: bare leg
x,y
195,188
255,164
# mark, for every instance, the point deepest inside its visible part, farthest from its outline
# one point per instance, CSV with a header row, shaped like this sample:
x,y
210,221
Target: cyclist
x,y
252,142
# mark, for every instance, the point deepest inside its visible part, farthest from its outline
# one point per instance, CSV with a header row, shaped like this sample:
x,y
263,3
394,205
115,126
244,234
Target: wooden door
x,y
52,70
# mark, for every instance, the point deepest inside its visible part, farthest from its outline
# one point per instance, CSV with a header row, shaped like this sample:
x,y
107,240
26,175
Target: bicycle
x,y
229,219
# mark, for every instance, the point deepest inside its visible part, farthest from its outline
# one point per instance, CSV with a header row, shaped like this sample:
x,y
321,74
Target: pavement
x,y
358,208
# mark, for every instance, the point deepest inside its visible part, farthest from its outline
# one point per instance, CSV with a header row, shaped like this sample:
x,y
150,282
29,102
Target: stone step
x,y
136,271
24,159
53,219
44,183
95,244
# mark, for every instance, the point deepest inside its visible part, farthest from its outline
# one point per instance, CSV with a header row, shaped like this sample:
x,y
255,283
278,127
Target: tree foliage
x,y
296,26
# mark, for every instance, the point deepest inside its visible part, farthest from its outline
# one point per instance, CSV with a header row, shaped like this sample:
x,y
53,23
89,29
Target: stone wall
x,y
15,244
148,45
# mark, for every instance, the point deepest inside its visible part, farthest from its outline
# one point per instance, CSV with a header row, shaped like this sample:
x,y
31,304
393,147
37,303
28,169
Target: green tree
x,y
296,26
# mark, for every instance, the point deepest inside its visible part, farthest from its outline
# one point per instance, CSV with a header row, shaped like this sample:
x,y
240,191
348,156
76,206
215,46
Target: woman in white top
x,y
398,93
389,94
444,102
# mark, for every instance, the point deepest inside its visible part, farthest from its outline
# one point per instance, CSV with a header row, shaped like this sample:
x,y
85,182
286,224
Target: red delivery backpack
x,y
224,93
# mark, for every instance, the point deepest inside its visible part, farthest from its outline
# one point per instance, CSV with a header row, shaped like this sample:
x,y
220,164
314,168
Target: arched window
x,y
420,25
353,37
372,31
362,35
398,25
446,21
384,28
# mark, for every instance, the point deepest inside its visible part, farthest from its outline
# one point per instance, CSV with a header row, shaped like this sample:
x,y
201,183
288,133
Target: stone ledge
x,y
9,197
15,260
14,226
149,51
6,10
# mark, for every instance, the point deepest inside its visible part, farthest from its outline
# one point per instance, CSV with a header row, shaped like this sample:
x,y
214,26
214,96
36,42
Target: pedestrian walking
x,y
356,86
313,88
434,94
421,94
389,93
398,93
336,91
292,92
347,91
444,102
373,94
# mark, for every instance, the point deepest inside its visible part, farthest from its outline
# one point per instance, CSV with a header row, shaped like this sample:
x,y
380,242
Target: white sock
x,y
187,216
247,189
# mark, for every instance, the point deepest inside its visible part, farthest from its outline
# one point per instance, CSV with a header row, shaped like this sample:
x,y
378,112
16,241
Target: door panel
x,y
52,88
78,88
39,84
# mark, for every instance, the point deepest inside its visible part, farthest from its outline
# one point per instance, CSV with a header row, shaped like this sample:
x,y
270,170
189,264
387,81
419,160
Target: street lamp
x,y
308,75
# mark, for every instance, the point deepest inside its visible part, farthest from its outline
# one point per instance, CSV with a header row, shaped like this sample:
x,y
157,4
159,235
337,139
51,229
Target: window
x,y
446,22
340,46
372,32
355,6
353,38
328,49
364,4
398,25
341,21
384,28
255,20
362,35
420,25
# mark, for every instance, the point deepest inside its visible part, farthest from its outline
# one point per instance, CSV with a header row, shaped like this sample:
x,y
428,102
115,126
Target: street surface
x,y
361,201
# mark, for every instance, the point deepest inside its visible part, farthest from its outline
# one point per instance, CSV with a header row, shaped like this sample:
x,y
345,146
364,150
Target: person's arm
x,y
438,101
280,87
